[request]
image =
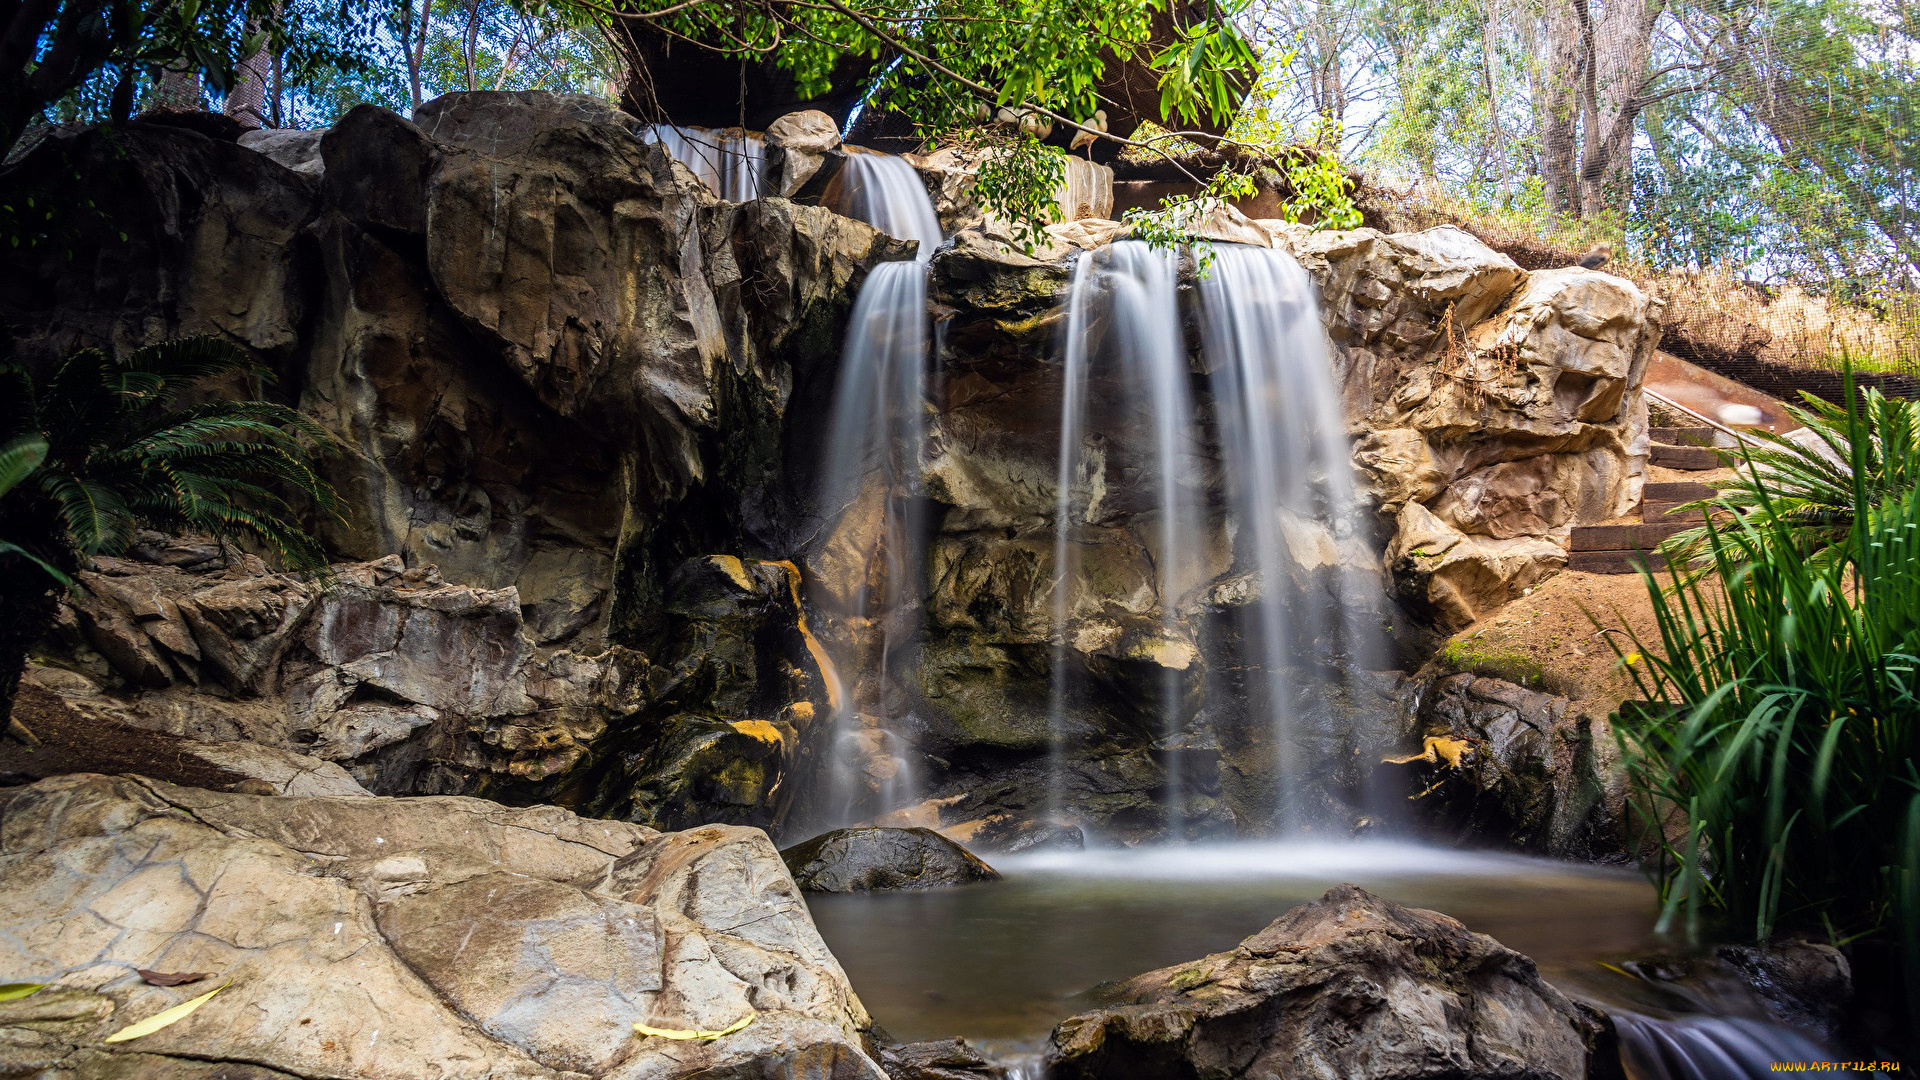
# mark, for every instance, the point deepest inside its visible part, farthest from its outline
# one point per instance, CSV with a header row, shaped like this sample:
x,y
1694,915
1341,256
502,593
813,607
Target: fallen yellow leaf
x,y
165,1018
16,991
677,1033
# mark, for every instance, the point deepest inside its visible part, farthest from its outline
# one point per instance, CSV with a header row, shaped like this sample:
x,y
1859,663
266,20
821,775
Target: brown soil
x,y
1562,628
70,743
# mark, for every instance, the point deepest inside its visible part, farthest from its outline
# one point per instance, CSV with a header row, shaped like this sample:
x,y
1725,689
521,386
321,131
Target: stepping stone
x,y
1692,458
1677,491
1612,562
1682,436
1621,537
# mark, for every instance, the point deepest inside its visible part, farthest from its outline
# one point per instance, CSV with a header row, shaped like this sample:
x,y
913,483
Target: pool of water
x,y
1001,963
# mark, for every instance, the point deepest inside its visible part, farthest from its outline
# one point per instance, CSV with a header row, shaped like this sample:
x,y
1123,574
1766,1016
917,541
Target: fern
x,y
118,452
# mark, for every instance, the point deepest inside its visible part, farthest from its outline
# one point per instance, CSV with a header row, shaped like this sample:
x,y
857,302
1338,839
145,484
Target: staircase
x,y
1622,548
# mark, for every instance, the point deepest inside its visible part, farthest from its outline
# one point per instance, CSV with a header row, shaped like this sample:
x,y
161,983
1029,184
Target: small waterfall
x,y
870,490
1708,1047
885,192
1295,508
732,163
1303,581
1122,312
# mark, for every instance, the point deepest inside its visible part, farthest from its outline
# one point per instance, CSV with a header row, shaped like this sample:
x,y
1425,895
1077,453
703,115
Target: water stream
x,y
874,551
732,163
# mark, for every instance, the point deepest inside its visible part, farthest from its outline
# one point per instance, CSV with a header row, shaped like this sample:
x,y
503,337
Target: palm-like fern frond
x,y
1815,479
120,453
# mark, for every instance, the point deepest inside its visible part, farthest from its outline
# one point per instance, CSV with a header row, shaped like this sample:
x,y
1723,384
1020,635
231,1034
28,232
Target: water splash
x,y
732,163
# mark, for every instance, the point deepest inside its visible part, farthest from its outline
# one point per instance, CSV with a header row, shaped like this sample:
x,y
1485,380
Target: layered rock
x,y
393,939
415,685
1350,986
562,373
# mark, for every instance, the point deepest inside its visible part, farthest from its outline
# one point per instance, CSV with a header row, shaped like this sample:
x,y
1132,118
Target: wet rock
x,y
798,147
439,937
872,859
1801,983
1350,986
950,1059
1533,772
1009,835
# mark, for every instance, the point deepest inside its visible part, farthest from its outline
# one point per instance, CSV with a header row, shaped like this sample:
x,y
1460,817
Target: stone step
x,y
1612,562
1691,458
1621,537
1664,514
1677,491
1682,436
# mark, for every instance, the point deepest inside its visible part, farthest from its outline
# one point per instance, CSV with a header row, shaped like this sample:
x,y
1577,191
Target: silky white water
x,y
876,518
1303,584
732,163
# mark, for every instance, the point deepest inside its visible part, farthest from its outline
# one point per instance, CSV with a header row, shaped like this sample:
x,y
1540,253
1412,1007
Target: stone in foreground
x,y
1350,987
869,860
436,938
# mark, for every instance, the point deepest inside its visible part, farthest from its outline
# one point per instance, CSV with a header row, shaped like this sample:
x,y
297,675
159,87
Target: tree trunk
x,y
1556,79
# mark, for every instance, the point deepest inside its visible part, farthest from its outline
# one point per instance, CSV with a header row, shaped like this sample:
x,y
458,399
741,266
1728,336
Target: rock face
x,y
1350,987
1535,773
872,859
395,939
563,372
591,395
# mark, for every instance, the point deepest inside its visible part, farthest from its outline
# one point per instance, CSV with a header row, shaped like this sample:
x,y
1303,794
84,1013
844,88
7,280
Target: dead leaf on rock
x,y
171,978
678,1033
165,1018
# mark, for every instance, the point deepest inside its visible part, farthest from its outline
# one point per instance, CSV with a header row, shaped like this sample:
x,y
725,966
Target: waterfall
x,y
1708,1047
885,192
870,491
1303,583
1122,313
1295,508
732,163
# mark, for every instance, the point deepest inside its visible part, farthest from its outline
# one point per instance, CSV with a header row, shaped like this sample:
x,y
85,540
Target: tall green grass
x,y
1783,707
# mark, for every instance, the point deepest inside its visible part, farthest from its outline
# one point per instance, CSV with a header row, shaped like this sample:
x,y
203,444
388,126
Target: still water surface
x,y
1002,963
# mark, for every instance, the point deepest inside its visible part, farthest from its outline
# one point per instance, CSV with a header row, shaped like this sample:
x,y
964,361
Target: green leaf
x,y
16,991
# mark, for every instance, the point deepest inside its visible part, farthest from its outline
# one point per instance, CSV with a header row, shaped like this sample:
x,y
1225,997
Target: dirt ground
x,y
1562,626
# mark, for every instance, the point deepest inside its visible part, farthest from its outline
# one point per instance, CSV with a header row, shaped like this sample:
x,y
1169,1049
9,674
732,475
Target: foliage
x,y
18,460
122,450
1817,487
1783,719
77,59
1017,181
1319,189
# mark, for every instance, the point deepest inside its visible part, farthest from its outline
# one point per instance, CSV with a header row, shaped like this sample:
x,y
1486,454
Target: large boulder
x,y
1350,987
873,859
395,939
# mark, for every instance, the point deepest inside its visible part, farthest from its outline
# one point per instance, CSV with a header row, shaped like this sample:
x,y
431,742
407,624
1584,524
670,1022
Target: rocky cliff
x,y
581,402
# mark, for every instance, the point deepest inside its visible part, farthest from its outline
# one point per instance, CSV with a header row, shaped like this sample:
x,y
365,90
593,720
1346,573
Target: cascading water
x,y
1302,578
870,490
1295,510
1122,313
1708,1047
732,163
